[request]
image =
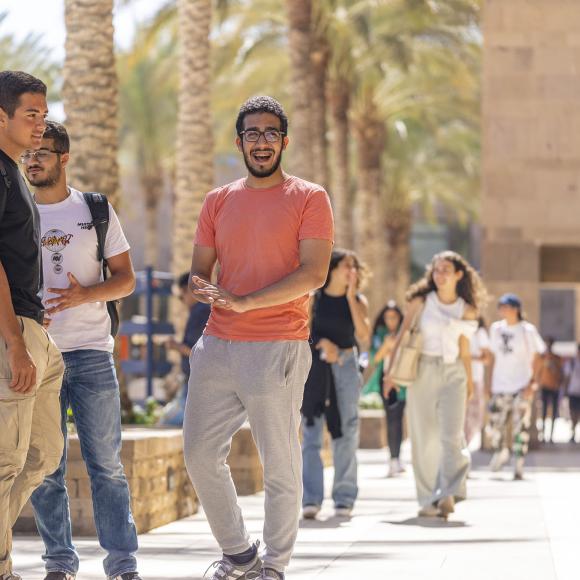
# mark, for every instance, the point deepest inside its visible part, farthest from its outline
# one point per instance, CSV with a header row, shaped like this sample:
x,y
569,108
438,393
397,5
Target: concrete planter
x,y
160,488
373,429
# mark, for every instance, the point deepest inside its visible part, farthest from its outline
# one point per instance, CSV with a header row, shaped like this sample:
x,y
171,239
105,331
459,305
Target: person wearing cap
x,y
516,347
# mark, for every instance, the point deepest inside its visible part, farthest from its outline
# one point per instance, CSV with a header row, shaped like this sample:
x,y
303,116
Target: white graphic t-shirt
x,y
514,348
69,244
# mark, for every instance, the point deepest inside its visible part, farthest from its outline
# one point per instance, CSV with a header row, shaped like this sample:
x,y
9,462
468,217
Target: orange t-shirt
x,y
256,234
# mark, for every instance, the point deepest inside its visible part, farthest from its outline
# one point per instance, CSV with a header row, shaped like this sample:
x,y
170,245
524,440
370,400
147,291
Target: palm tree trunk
x,y
91,104
339,100
152,183
397,222
319,61
370,134
300,43
90,96
194,159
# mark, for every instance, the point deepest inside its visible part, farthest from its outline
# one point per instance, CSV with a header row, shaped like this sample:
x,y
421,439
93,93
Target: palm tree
x,y
90,96
194,159
28,54
399,44
300,48
148,98
319,60
370,138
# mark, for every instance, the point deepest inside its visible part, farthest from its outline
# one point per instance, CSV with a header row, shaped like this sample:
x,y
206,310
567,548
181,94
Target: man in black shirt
x,y
31,366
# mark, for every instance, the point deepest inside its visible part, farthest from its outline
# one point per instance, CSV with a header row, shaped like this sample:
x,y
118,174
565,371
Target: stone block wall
x,y
160,488
373,429
531,140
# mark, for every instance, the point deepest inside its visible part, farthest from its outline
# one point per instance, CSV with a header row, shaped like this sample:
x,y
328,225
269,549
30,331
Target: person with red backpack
x,y
550,375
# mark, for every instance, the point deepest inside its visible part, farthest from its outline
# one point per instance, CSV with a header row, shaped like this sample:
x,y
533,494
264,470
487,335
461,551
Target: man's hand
x,y
22,368
74,295
217,296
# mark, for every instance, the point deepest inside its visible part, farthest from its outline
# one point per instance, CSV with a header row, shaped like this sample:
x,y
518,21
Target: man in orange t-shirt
x,y
271,234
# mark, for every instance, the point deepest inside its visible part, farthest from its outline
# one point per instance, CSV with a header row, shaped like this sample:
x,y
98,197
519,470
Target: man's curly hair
x,y
262,104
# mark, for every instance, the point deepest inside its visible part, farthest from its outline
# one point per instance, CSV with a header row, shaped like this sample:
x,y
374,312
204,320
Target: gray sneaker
x,y
225,569
266,574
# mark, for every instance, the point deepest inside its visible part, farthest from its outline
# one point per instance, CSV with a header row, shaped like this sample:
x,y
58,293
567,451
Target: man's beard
x,y
49,181
262,172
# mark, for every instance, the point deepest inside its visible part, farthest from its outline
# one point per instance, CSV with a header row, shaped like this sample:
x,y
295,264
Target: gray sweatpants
x,y
230,382
436,413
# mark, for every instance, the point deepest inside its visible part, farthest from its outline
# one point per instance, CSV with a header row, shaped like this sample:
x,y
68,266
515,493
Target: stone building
x,y
531,165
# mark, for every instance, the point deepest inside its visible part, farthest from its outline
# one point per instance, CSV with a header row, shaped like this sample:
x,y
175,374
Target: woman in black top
x,y
339,321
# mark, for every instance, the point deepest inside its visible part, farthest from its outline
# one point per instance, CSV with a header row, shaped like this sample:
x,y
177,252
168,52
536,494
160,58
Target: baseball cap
x,y
510,300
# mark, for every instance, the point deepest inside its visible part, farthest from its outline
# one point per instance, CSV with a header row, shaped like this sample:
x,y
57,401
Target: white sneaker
x,y
309,512
400,466
342,511
393,468
499,459
519,471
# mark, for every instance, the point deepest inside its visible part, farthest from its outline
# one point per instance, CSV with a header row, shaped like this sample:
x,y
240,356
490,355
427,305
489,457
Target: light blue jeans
x,y
348,382
91,390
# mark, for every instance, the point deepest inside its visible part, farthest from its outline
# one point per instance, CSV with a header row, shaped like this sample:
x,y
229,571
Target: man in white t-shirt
x,y
516,346
75,298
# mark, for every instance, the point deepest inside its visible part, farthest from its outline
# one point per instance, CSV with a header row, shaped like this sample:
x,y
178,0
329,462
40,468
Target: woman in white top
x,y
447,300
480,358
516,346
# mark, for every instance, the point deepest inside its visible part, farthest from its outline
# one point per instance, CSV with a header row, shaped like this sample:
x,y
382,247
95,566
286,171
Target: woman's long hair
x,y
470,287
338,255
380,319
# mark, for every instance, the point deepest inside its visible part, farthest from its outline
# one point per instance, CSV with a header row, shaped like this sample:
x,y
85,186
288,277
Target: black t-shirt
x,y
331,319
198,316
20,250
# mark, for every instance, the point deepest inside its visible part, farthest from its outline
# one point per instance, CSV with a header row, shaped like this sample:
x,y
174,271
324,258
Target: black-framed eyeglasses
x,y
270,135
40,155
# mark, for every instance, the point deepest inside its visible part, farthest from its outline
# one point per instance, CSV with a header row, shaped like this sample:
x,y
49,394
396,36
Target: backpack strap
x,y
99,208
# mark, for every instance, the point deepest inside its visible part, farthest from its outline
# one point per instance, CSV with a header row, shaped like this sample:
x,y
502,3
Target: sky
x,y
46,17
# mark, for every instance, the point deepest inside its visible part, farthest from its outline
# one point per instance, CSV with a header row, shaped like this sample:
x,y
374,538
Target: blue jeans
x,y
174,411
348,382
91,390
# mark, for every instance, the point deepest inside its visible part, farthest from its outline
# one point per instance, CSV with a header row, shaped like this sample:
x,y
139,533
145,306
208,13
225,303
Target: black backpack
x,y
99,207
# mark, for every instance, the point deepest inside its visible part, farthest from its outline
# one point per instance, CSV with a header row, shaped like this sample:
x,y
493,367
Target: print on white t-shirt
x,y
69,244
514,348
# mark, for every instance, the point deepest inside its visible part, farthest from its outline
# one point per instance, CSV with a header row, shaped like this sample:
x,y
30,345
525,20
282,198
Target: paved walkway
x,y
508,530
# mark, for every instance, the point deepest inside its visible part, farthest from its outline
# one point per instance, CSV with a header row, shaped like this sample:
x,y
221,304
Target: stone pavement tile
x,y
506,531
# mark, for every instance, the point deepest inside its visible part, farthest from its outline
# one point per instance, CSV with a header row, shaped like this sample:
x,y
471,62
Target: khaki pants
x,y
31,442
436,412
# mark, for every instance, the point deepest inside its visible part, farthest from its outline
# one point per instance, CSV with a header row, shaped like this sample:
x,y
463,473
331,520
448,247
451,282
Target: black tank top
x,y
331,319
